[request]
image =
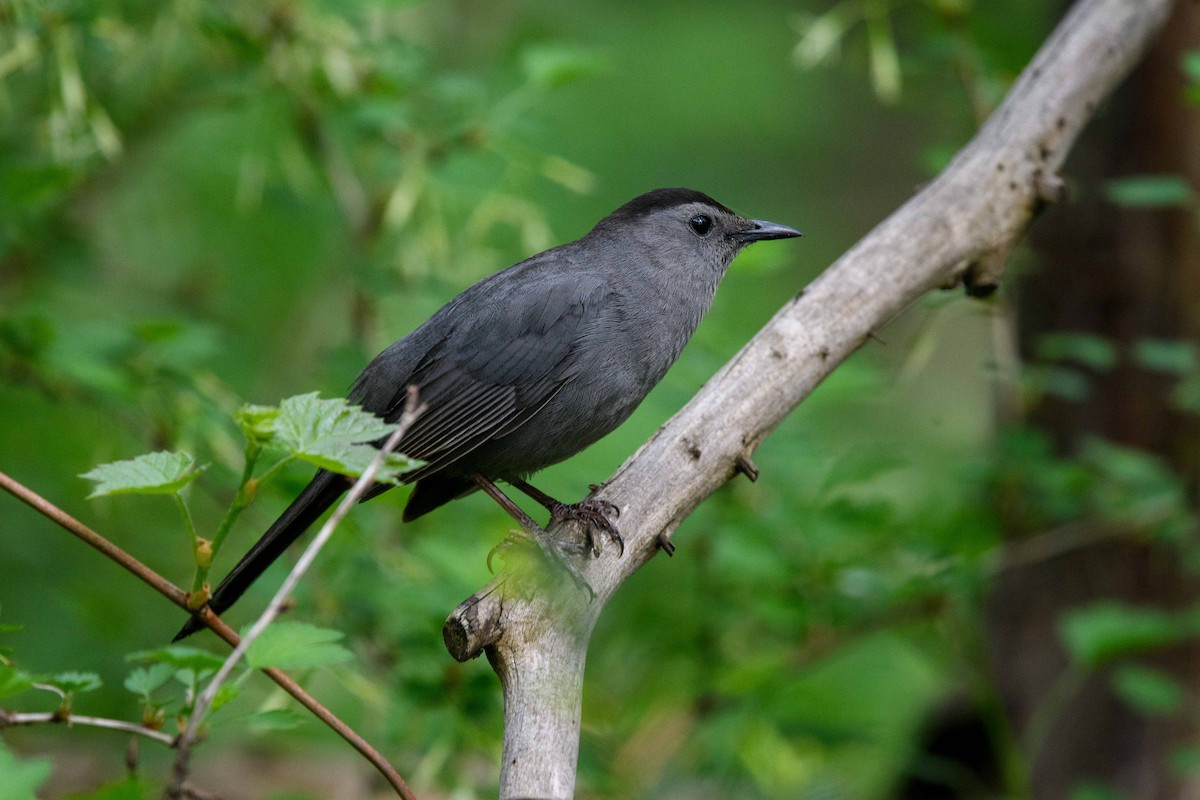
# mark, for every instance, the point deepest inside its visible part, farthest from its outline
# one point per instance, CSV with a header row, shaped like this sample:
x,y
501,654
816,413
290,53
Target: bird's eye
x,y
701,224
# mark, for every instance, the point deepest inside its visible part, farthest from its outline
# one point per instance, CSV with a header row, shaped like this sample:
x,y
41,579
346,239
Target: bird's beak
x,y
761,231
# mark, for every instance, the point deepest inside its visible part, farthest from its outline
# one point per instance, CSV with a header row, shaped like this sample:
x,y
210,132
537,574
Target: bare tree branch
x,y
959,229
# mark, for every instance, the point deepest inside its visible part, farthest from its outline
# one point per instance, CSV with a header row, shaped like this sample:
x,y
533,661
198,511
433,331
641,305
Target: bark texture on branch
x,y
959,229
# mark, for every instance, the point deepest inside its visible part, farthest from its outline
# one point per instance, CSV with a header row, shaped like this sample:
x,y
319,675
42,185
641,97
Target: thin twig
x,y
211,620
14,718
360,487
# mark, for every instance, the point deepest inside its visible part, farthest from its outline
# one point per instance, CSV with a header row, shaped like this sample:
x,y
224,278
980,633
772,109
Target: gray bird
x,y
536,362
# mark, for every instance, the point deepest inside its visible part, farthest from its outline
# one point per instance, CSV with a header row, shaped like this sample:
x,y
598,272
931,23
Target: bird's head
x,y
686,229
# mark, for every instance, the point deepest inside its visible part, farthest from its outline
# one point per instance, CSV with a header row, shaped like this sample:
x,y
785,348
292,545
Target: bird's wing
x,y
491,374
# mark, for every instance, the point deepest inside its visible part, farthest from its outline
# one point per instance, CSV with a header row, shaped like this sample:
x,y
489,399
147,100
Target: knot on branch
x,y
982,276
1038,187
1049,188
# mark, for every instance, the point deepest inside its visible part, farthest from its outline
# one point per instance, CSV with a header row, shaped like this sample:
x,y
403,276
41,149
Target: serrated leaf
x,y
1150,191
75,682
1104,631
144,680
297,645
152,473
257,423
310,425
355,458
180,656
1147,690
13,681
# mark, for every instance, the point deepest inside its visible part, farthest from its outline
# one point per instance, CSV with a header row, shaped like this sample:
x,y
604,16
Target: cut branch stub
x,y
475,624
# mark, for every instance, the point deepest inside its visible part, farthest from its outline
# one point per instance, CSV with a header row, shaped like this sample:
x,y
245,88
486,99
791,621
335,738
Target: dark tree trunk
x,y
1125,275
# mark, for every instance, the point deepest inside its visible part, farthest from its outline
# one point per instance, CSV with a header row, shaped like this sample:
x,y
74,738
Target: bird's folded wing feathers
x,y
487,379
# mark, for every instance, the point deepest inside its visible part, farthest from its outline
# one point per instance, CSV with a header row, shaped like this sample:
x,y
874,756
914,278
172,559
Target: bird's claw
x,y
595,515
513,539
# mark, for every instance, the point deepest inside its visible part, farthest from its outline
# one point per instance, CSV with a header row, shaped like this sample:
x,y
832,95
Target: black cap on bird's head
x,y
689,220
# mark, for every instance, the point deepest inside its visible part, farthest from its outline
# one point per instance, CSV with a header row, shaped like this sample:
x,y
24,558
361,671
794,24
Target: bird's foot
x,y
595,515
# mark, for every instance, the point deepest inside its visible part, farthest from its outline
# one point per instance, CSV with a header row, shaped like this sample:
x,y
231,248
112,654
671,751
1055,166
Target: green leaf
x,y
1185,761
1191,65
1147,690
355,458
1107,630
152,473
130,788
226,693
884,58
859,464
75,682
180,656
13,681
308,424
552,66
1126,465
144,680
257,423
297,645
1092,351
821,36
1166,355
1066,383
275,719
1149,191
21,778
331,434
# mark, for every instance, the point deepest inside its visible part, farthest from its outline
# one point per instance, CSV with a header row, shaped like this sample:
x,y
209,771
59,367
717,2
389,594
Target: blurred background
x,y
968,569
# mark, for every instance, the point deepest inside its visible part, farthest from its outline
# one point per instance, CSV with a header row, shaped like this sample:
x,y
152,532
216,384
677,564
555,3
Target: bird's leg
x,y
553,550
594,513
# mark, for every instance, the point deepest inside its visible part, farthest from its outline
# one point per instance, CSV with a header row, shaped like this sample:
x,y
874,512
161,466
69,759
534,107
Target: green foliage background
x,y
204,204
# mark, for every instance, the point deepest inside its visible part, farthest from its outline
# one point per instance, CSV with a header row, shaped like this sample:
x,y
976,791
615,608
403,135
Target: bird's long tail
x,y
324,489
